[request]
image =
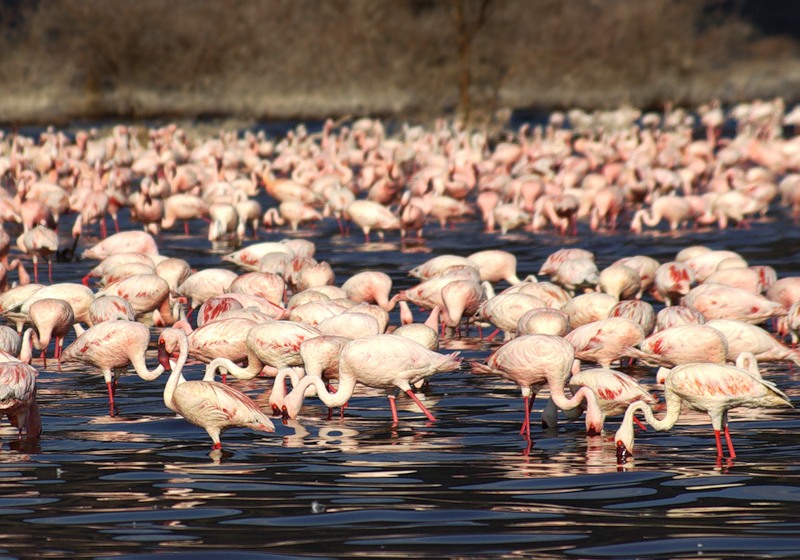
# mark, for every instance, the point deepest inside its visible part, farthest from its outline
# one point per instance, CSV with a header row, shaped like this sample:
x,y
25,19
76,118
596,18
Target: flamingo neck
x,y
176,377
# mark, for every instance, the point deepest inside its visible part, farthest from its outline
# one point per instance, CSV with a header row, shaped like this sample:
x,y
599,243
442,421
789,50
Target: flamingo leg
x,y
44,358
639,423
491,336
525,429
186,232
394,409
729,442
111,407
421,406
50,270
719,444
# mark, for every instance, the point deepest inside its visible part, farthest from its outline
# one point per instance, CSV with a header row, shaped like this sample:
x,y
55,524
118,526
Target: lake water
x,y
144,484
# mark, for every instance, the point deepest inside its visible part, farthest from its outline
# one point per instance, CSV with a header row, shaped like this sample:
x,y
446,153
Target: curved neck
x,y
175,377
26,351
254,367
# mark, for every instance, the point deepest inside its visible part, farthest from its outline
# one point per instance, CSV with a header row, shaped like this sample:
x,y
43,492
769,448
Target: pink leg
x,y
394,410
111,407
103,230
491,336
50,270
186,228
639,423
729,442
421,406
44,358
719,444
525,429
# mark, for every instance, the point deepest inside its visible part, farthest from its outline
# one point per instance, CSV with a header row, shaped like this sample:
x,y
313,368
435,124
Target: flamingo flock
x,y
271,312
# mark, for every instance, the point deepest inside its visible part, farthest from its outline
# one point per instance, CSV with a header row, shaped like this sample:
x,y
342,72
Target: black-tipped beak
x,y
276,411
163,357
622,453
285,416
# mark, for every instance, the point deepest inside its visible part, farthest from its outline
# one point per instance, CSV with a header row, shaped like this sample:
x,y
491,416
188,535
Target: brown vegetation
x,y
254,59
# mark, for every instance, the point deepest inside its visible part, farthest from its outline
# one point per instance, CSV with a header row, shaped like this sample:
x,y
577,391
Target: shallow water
x,y
143,483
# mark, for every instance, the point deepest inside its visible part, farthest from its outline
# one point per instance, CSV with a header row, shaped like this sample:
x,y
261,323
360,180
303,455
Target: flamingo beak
x,y
163,357
622,453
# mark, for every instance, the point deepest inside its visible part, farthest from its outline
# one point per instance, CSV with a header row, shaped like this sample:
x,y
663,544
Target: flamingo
x,y
320,357
533,361
145,293
606,340
51,317
109,308
369,215
636,310
614,390
123,242
111,346
704,387
249,257
205,284
495,265
543,321
213,406
718,301
39,241
673,280
744,337
677,315
18,397
620,281
676,210
402,363
681,345
370,286
275,344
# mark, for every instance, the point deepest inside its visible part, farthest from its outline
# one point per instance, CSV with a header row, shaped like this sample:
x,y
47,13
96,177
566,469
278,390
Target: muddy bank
x,y
281,59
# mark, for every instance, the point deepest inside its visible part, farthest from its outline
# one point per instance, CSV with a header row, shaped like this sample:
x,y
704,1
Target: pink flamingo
x,y
123,242
403,362
109,308
275,344
496,265
205,284
320,357
369,215
605,341
18,397
543,321
718,301
682,344
184,207
39,241
676,210
213,406
262,284
370,286
537,360
673,280
250,257
704,387
676,316
111,346
744,337
638,311
589,307
223,337
50,317
505,310
620,281
146,293
614,390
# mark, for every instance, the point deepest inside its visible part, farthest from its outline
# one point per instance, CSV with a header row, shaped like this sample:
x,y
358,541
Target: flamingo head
x,y
169,346
624,440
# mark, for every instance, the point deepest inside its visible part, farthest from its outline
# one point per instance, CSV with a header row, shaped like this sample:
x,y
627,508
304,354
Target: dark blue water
x,y
144,484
